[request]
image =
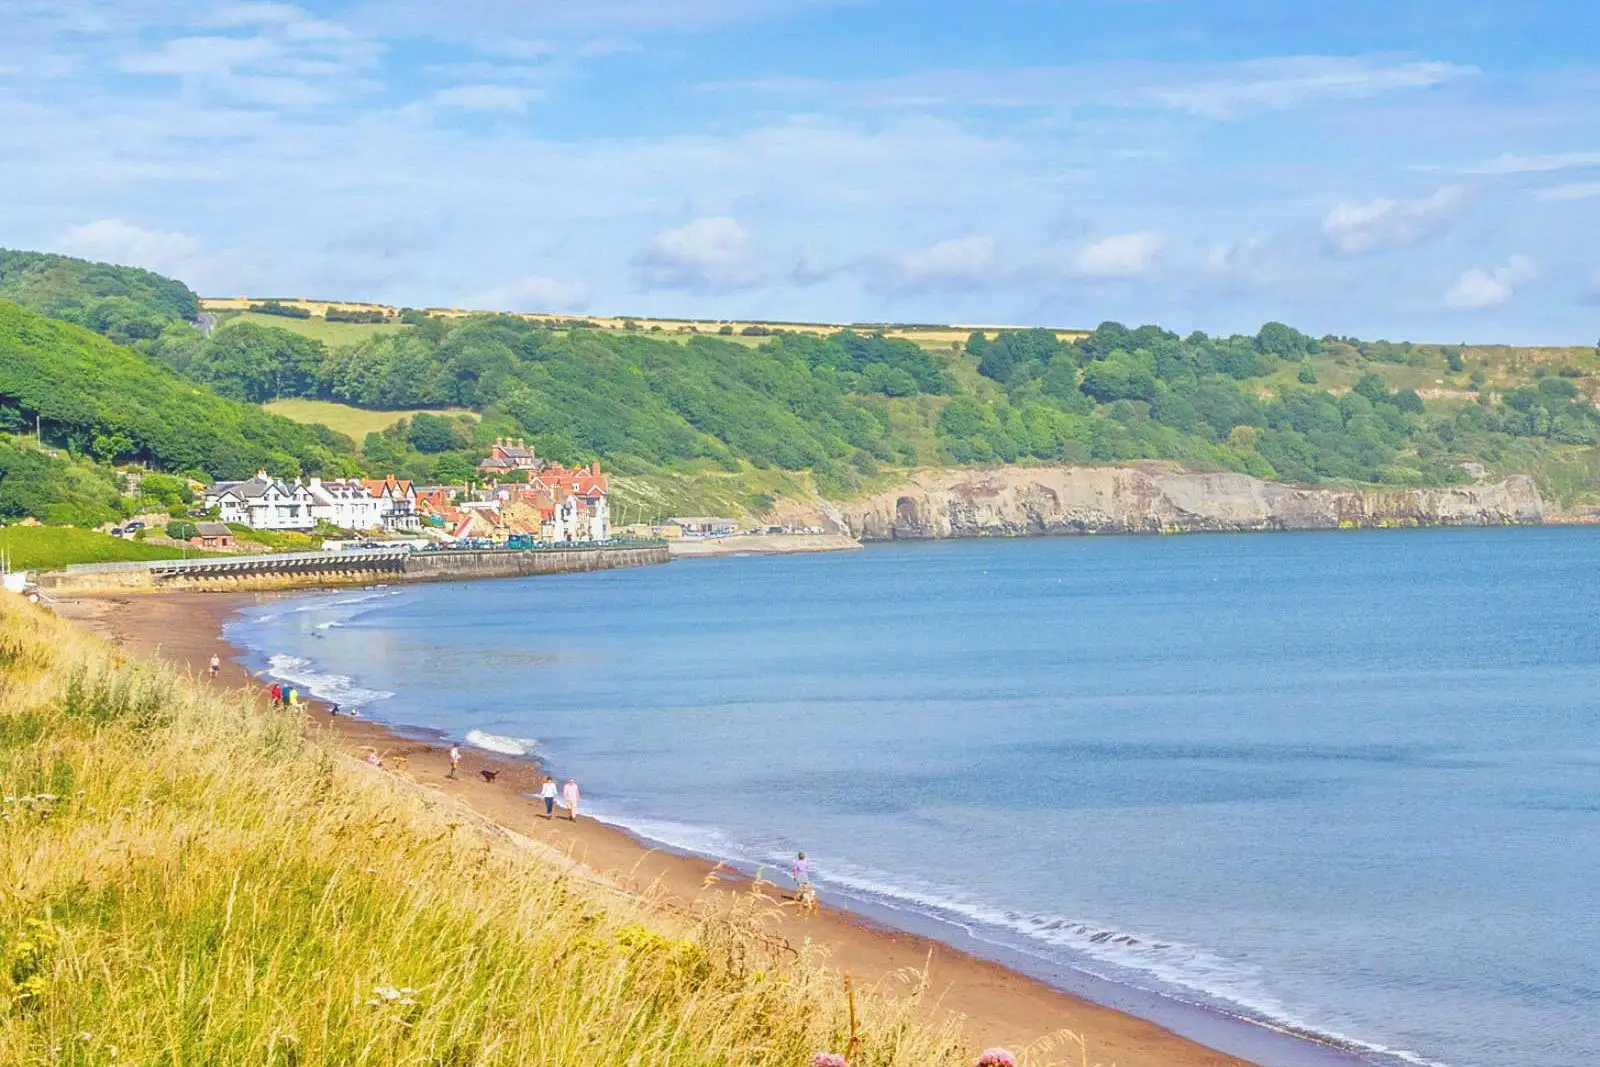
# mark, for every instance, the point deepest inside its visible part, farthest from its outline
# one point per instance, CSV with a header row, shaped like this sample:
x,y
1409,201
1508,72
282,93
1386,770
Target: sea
x,y
1339,786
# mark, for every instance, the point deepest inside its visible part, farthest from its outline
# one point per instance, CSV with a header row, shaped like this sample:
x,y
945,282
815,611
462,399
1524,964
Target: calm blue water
x,y
1344,783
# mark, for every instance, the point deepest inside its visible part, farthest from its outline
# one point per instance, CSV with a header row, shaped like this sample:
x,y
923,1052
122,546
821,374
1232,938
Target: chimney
x,y
262,474
594,468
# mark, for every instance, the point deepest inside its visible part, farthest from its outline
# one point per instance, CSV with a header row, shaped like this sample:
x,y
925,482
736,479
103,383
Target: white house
x,y
263,503
345,504
397,502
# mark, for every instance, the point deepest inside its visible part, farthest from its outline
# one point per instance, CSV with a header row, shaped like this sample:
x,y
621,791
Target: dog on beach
x,y
489,775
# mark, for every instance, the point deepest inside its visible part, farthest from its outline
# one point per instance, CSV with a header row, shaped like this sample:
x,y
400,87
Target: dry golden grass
x,y
190,881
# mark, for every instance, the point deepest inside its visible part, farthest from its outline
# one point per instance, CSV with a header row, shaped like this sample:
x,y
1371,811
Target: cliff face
x,y
1015,501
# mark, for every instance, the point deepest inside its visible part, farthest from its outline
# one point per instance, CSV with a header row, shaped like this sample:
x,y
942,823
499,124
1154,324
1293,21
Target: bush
x,y
287,311
357,315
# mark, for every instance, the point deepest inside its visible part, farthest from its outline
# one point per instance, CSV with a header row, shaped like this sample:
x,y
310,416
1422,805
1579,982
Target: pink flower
x,y
828,1059
997,1057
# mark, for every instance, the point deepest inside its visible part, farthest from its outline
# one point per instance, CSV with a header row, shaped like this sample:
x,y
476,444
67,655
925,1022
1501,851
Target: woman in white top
x,y
548,792
569,797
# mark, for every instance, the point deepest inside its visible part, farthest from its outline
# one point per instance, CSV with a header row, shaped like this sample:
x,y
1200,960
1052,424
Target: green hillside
x,y
123,303
742,419
1278,404
91,397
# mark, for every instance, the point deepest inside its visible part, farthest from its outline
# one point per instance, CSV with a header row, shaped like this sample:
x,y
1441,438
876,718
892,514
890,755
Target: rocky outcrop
x,y
1016,501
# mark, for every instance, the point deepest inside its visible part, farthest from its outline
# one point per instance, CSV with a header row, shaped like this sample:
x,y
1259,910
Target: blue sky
x,y
1410,168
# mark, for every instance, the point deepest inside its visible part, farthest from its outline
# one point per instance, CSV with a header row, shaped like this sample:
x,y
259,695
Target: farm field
x,y
332,334
341,333
354,423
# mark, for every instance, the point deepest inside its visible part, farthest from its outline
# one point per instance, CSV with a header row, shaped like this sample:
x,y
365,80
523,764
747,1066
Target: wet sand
x,y
999,1005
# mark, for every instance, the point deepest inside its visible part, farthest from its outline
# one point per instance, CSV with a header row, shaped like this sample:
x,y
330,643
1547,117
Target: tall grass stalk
x,y
189,881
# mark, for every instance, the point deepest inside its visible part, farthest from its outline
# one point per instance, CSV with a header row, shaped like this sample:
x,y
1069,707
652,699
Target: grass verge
x,y
191,881
45,548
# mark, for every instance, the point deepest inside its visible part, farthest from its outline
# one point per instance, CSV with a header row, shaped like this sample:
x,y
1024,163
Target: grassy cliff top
x,y
190,880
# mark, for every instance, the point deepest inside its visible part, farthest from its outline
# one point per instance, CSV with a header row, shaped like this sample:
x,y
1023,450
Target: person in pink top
x,y
569,797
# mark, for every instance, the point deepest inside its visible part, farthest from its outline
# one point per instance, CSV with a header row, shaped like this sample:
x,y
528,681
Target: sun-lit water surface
x,y
1347,783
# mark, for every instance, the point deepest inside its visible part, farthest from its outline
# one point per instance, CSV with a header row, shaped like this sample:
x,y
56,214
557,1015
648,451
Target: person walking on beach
x,y
548,792
275,694
216,665
804,892
294,697
569,797
455,760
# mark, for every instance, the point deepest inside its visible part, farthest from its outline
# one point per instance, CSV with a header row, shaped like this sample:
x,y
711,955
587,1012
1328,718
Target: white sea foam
x,y
1169,968
506,746
679,836
338,688
1182,971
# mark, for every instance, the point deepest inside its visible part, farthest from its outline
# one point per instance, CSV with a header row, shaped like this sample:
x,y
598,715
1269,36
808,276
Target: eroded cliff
x,y
1014,501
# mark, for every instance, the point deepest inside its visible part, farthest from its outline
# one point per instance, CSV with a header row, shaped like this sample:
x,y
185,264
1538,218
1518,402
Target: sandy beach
x,y
998,1005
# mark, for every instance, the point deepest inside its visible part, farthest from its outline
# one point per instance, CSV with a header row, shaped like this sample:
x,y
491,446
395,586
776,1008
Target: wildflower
x,y
388,994
997,1057
828,1059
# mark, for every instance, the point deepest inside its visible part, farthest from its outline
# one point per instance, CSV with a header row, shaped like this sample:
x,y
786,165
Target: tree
x,y
1307,374
1285,342
1371,386
431,434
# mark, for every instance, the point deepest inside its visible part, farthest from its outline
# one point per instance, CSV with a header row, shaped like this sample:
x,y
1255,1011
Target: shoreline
x,y
1013,1000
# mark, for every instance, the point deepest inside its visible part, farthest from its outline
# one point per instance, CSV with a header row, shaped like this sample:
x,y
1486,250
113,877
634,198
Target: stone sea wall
x,y
1018,501
330,570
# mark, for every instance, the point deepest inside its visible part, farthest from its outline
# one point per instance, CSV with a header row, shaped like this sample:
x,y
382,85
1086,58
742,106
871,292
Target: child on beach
x,y
548,792
569,797
216,665
455,760
294,697
801,872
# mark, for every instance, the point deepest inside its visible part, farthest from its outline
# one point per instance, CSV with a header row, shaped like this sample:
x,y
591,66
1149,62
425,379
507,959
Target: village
x,y
521,500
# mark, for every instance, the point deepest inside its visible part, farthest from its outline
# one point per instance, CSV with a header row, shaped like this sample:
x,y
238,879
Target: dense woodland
x,y
154,390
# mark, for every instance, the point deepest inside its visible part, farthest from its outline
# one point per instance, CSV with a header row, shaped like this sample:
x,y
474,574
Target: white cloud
x,y
535,293
1573,191
1125,255
483,98
1477,289
707,254
116,241
190,56
1215,91
1542,164
1388,223
233,16
1226,91
958,263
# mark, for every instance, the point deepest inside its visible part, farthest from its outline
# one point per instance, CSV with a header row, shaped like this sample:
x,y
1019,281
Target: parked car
x,y
116,531
134,527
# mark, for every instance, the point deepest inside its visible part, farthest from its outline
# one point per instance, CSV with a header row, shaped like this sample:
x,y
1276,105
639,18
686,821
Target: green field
x,y
354,423
45,548
331,334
